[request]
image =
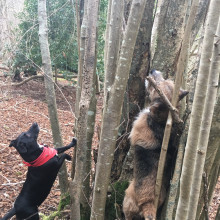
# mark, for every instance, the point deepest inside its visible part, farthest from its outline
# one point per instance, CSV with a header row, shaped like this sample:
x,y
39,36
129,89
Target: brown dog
x,y
146,136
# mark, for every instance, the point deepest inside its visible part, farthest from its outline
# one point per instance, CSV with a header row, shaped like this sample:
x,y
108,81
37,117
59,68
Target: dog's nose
x,y
35,124
152,71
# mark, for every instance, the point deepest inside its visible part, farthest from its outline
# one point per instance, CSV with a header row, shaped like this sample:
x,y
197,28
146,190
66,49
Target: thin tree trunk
x,y
86,189
212,163
200,18
169,36
107,34
112,110
197,109
205,127
178,81
79,78
113,43
49,85
87,82
134,99
82,40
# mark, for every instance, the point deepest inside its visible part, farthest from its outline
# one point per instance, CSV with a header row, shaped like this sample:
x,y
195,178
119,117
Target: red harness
x,y
46,155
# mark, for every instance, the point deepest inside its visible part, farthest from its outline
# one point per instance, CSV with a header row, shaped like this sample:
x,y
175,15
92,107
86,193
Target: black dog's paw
x,y
74,142
68,157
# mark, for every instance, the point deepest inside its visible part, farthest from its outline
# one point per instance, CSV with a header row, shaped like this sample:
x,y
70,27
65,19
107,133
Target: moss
x,y
64,201
113,209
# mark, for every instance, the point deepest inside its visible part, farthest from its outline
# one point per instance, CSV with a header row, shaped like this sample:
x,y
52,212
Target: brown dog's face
x,y
158,109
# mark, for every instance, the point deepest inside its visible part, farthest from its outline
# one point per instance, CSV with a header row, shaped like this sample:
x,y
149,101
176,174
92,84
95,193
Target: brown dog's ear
x,y
182,94
12,144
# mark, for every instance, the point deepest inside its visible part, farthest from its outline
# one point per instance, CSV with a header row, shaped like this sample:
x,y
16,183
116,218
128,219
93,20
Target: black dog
x,y
44,165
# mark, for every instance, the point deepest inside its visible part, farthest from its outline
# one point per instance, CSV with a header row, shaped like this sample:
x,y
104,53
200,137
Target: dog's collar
x,y
46,155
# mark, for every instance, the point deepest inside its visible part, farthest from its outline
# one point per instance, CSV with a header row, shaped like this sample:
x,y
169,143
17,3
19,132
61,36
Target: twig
x,y
12,184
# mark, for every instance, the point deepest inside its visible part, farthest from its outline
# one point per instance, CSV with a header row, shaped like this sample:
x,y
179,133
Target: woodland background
x,y
86,63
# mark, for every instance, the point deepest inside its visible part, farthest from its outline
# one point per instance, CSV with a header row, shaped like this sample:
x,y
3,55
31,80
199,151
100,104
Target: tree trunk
x,y
200,18
212,163
86,189
134,98
112,110
205,127
170,33
113,43
82,39
87,82
197,109
49,85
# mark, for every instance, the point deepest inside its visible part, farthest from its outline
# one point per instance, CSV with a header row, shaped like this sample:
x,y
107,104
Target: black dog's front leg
x,y
62,158
62,149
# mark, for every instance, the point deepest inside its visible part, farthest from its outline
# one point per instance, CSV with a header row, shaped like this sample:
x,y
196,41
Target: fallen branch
x,y
28,79
36,77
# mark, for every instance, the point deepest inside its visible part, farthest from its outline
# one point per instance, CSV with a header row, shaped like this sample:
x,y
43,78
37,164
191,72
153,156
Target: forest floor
x,y
19,108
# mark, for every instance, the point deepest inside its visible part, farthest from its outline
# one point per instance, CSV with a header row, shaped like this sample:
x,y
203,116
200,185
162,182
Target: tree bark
x,y
200,18
82,39
134,99
87,82
197,109
212,163
49,85
205,126
112,110
169,36
113,43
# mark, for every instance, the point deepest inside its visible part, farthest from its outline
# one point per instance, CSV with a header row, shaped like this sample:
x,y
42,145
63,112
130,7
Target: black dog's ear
x,y
12,144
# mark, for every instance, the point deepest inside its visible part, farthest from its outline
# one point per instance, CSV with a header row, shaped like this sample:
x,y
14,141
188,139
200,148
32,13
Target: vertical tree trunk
x,y
81,55
205,126
212,163
107,34
169,36
86,189
49,85
87,82
113,37
197,109
134,98
82,40
200,18
112,110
